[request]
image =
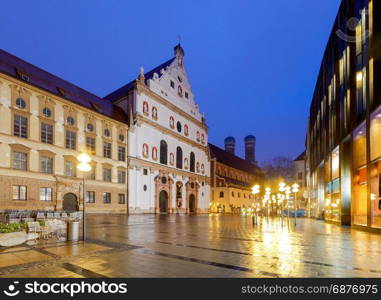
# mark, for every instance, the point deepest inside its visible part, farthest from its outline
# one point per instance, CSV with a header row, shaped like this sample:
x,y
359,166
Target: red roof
x,y
14,67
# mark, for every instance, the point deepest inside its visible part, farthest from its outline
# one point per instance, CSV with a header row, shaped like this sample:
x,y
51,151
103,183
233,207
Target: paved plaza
x,y
200,246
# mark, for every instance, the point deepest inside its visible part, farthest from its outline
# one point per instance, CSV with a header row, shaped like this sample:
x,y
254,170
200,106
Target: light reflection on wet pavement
x,y
200,246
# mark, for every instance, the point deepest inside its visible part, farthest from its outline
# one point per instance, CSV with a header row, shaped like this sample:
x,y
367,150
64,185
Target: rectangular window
x,y
70,139
90,144
91,175
121,153
19,192
121,177
90,197
46,164
145,172
20,126
20,160
107,174
69,169
106,197
121,198
46,194
300,175
46,133
107,150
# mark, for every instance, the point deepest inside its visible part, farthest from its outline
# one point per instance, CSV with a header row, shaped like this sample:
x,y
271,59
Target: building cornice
x,y
134,162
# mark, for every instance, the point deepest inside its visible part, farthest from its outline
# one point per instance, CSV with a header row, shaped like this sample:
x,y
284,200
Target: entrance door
x,y
192,204
163,202
70,202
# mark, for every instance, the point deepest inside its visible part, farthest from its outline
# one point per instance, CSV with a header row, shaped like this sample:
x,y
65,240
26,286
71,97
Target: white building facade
x,y
168,156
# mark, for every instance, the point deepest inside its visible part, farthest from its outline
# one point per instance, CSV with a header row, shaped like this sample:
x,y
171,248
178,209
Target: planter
x,y
12,239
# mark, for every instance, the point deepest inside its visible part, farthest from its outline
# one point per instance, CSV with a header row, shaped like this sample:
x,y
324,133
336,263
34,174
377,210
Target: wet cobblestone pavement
x,y
200,246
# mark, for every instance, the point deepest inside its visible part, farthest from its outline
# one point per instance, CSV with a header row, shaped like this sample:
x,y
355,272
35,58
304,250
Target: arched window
x,y
163,152
192,162
221,194
179,158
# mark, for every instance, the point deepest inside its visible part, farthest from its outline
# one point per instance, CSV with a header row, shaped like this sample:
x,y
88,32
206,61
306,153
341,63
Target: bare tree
x,y
279,168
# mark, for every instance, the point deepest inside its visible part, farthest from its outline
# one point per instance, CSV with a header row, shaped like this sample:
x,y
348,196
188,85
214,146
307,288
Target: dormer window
x,y
62,92
172,84
20,103
96,107
25,77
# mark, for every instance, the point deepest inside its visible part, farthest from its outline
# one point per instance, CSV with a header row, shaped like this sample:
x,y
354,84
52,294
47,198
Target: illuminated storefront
x,y
344,130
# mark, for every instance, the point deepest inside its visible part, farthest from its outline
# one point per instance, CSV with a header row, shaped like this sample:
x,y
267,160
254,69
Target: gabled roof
x,y
14,67
149,75
233,161
301,156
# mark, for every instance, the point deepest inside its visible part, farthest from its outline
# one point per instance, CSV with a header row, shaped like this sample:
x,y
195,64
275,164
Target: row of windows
x,y
106,197
222,195
20,129
180,161
20,192
20,162
199,137
179,89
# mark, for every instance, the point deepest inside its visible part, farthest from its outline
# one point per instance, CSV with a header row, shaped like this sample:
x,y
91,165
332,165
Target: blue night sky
x,y
252,64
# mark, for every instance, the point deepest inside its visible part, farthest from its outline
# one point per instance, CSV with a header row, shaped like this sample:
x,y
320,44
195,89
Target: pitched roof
x,y
301,156
14,67
117,94
231,160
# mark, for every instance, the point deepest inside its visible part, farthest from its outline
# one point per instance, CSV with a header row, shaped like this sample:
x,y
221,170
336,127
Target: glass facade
x,y
344,130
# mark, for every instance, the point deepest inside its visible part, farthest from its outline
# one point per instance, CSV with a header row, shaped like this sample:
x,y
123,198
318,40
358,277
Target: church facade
x,y
168,156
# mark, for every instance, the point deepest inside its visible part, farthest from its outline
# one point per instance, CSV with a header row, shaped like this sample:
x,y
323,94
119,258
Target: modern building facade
x,y
45,123
168,156
344,131
232,181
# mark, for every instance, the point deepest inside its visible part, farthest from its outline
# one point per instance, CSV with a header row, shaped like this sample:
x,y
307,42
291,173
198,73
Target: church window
x,y
179,158
178,125
186,95
154,153
192,162
163,152
172,84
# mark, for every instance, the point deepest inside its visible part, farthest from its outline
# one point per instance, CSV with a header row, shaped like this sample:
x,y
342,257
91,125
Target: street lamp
x,y
255,191
268,198
287,191
282,188
84,166
295,190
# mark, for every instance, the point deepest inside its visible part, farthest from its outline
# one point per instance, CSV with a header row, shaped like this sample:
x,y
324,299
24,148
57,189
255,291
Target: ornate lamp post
x,y
282,189
268,200
288,192
295,190
255,191
84,166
